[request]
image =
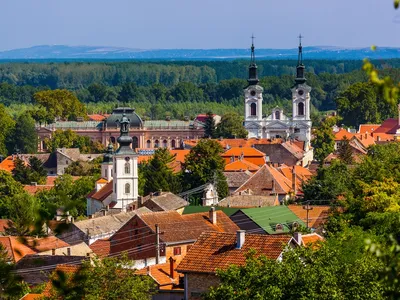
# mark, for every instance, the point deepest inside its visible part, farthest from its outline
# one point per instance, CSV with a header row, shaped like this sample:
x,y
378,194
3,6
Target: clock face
x,y
301,92
253,93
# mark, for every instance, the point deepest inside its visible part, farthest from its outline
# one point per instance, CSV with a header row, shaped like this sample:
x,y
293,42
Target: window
x,y
127,168
277,115
296,130
156,144
127,188
105,173
165,143
135,142
177,251
300,109
253,109
148,144
173,144
66,162
278,227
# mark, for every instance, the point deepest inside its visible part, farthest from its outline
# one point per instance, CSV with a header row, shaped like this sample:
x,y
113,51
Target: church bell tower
x,y
253,99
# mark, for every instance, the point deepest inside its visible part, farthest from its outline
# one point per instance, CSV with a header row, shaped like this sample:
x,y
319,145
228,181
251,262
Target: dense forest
x,y
179,89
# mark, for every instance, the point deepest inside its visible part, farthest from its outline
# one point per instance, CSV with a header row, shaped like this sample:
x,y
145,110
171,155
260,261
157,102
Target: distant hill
x,y
118,53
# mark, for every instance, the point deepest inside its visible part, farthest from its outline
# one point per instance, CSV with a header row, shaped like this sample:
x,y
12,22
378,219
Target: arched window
x,y
300,109
127,168
277,115
156,144
165,143
135,142
148,144
127,188
253,109
173,144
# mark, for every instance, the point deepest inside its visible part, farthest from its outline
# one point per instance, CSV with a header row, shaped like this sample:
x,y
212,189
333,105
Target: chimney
x,y
294,183
378,138
240,237
104,212
273,187
172,267
53,251
297,236
151,195
213,216
34,183
139,201
366,135
69,251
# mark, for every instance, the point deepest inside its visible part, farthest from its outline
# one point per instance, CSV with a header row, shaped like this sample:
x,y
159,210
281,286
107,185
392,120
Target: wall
x,y
184,250
199,283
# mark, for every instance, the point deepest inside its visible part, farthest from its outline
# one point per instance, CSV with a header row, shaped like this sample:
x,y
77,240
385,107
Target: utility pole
x,y
307,207
157,244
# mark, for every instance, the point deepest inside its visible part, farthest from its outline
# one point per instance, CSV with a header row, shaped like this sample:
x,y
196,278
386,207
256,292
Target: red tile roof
x,y
161,275
225,143
312,238
32,297
343,133
101,247
248,153
96,117
103,193
216,250
15,248
383,137
388,126
365,139
317,216
367,128
33,189
4,223
241,165
266,181
176,227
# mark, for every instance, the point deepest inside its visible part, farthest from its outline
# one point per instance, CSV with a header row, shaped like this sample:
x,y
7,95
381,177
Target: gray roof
x,y
135,120
166,201
247,201
236,179
108,224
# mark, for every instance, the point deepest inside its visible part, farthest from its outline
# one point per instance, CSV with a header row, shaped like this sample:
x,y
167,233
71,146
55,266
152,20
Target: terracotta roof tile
x,y
365,139
216,250
389,126
378,137
32,297
101,248
96,117
104,192
161,275
367,128
4,223
190,226
312,238
265,181
241,165
15,248
343,133
317,216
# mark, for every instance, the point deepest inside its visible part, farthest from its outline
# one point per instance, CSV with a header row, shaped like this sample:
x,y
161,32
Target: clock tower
x,y
125,168
301,122
253,99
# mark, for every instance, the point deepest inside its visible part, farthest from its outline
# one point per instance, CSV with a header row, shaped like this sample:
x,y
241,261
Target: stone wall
x,y
199,283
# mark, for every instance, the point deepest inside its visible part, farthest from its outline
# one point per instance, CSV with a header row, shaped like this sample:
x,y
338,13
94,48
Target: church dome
x,y
117,114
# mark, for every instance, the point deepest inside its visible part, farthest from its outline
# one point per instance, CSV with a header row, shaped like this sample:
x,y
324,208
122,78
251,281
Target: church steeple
x,y
300,78
253,77
108,156
124,139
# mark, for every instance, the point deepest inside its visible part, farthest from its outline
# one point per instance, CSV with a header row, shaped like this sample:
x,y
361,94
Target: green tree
x,y
324,139
7,125
231,126
204,164
209,128
109,278
85,168
345,151
340,268
158,173
11,285
23,137
33,172
60,103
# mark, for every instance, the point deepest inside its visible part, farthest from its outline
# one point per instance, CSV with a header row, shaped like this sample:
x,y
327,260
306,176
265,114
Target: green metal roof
x,y
191,209
268,217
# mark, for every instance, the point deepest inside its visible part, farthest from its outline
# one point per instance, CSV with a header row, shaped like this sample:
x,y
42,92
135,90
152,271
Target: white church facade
x,y
277,124
118,187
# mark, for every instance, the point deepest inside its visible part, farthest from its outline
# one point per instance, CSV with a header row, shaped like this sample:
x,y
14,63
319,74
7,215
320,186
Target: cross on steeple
x,y
300,37
300,57
253,58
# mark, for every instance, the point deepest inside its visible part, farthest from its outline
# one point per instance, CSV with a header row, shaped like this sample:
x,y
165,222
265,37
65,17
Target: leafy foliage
x,y
231,126
70,139
209,128
345,152
324,139
33,172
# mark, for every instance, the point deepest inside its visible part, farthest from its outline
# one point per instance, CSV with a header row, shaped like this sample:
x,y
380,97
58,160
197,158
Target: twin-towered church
x,y
277,124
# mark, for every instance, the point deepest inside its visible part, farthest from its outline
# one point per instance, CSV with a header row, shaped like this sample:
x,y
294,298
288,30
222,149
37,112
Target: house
x,y
163,201
169,282
93,229
367,128
317,215
241,165
175,232
219,250
290,153
248,201
236,179
340,135
250,154
265,182
272,220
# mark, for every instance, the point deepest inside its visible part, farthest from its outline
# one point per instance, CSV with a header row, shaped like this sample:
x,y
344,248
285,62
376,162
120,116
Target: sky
x,y
198,24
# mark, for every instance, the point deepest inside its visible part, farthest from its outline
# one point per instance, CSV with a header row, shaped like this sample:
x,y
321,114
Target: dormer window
x,y
279,227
